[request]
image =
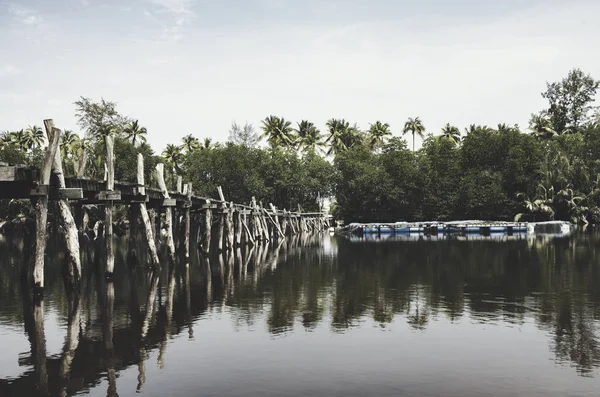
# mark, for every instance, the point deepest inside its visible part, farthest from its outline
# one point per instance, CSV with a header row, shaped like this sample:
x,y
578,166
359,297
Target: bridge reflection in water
x,y
553,283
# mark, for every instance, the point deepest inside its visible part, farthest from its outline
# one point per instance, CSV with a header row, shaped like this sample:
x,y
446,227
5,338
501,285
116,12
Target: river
x,y
514,316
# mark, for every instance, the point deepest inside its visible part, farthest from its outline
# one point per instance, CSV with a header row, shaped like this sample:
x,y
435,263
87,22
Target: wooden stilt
x,y
148,223
207,228
284,223
108,209
229,227
237,222
188,223
221,228
248,234
168,211
41,211
66,220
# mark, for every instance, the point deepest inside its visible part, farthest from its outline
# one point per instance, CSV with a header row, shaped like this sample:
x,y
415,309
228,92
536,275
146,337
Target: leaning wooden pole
x,y
41,211
154,262
160,176
66,220
108,208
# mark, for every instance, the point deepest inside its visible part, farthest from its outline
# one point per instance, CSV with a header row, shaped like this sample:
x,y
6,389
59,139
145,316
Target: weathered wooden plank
x,y
168,203
67,194
108,196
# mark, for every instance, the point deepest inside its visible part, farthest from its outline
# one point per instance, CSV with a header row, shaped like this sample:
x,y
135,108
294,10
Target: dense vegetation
x,y
551,170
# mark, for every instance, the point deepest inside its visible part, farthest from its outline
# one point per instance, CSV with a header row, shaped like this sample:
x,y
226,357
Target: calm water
x,y
334,317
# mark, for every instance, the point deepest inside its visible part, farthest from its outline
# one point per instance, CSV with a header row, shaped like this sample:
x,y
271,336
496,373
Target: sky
x,y
195,66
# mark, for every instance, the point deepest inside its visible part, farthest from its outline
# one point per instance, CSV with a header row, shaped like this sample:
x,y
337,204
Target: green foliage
x,y
415,127
243,135
278,132
99,119
273,175
570,101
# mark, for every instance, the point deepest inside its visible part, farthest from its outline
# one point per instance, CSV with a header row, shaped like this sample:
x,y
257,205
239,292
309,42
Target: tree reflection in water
x,y
303,282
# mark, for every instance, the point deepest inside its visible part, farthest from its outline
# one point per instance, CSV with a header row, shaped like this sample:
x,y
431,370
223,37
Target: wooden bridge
x,y
157,208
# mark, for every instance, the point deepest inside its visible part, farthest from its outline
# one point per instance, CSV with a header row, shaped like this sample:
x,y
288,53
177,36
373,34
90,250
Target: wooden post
x,y
229,227
66,220
221,228
237,222
284,222
108,209
275,221
188,223
82,161
41,211
207,228
148,222
160,176
179,184
248,233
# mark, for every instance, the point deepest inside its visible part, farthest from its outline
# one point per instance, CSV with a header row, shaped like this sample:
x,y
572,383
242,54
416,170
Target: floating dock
x,y
461,228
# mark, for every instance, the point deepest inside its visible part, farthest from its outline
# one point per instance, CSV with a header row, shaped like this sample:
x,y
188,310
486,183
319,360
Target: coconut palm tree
x,y
475,129
541,126
206,144
278,131
415,127
173,156
6,139
190,143
34,137
378,133
68,143
309,138
568,204
135,132
341,136
540,208
451,133
19,140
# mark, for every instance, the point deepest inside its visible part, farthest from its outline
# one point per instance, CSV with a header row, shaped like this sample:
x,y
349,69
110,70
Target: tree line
x,y
550,170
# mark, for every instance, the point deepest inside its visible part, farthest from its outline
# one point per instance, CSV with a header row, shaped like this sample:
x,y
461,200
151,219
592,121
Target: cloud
x,y
25,15
177,7
7,70
180,12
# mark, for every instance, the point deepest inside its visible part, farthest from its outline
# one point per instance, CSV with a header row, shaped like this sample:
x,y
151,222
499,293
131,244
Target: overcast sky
x,y
194,66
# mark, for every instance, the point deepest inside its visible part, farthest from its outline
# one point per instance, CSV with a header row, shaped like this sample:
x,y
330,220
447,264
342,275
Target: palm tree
x,y
173,156
309,137
476,129
207,144
134,132
414,126
341,135
34,137
190,143
540,208
68,143
378,133
541,126
451,133
5,139
278,131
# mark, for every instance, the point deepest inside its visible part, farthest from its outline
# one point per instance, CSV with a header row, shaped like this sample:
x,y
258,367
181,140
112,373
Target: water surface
x,y
321,316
